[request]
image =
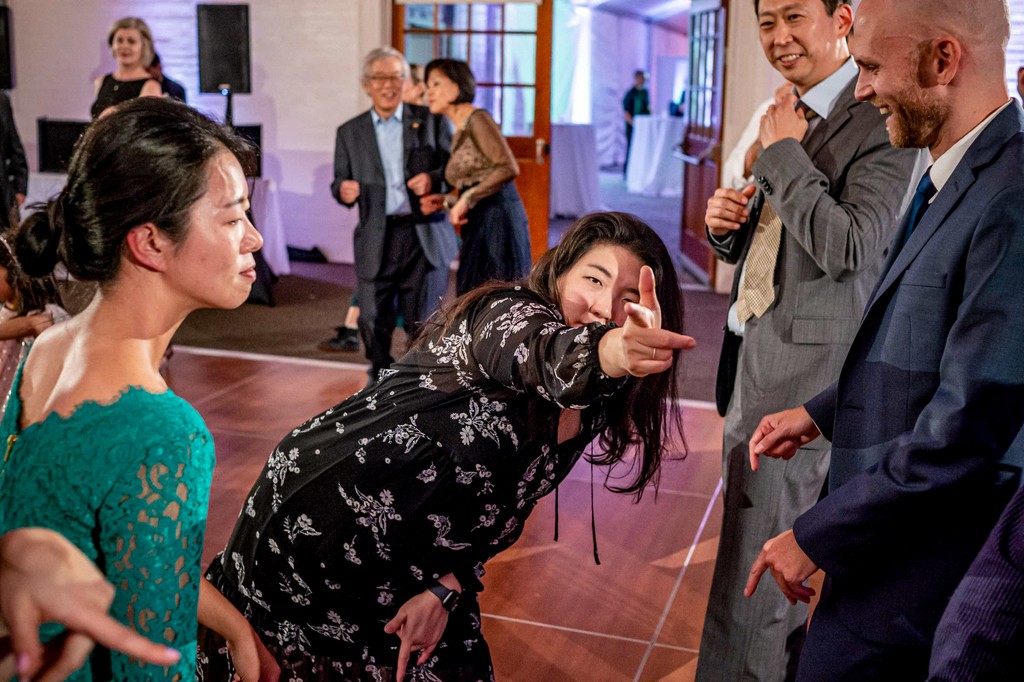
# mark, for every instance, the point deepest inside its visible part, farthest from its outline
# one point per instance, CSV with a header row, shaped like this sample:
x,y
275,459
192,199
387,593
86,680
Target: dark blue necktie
x,y
925,191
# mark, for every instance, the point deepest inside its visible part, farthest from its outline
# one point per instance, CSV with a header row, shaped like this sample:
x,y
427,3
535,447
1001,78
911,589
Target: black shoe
x,y
346,341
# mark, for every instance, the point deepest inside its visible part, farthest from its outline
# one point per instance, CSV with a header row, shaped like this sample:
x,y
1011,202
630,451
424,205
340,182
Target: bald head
x,y
934,66
982,26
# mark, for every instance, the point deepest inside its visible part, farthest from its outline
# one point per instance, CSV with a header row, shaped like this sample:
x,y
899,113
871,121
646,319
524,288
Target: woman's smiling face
x,y
598,286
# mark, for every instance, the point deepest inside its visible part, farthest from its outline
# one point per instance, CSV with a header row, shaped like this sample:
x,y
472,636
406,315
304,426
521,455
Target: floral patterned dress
x,y
432,470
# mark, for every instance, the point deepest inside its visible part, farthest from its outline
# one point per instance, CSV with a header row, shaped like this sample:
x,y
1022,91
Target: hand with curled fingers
x,y
727,209
44,578
419,623
783,120
419,184
780,435
349,191
457,214
641,347
431,203
789,566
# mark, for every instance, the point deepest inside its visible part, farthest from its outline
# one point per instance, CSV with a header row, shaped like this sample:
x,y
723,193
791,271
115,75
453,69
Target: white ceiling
x,y
670,13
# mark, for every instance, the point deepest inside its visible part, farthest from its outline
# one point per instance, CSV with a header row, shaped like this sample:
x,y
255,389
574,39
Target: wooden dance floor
x,y
550,613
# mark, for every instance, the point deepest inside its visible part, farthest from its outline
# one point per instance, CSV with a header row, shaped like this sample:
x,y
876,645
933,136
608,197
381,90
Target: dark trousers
x,y
397,288
834,653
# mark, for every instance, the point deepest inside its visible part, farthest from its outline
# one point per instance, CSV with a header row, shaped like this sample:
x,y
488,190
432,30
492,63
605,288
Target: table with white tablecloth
x,y
653,170
574,180
266,212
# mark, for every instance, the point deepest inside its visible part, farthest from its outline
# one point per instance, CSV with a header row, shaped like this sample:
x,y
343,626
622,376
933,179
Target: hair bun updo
x,y
143,163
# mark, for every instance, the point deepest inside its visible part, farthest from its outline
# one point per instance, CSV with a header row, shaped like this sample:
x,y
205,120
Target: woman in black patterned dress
x,y
364,538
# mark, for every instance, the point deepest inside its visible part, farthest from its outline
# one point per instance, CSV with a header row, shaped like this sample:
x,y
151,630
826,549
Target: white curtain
x,y
619,46
571,67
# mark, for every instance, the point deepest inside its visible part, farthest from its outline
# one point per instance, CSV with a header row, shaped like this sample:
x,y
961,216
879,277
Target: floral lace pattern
x,y
128,483
432,470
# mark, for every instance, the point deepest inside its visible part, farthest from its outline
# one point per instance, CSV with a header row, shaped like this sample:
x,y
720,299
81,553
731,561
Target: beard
x,y
916,120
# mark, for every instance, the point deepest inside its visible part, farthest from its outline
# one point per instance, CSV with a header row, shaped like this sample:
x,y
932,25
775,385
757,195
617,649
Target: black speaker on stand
x,y
6,55
224,64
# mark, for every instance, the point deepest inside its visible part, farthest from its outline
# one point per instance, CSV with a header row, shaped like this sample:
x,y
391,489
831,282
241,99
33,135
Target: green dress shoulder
x,y
127,482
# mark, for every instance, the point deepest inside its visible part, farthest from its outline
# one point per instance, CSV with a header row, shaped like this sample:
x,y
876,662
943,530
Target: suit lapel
x,y
982,152
839,117
412,122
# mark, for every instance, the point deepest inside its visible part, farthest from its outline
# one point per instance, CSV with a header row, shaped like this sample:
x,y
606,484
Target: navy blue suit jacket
x,y
427,143
928,402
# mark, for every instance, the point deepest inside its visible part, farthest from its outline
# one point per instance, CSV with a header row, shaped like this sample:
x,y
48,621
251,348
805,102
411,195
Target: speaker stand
x,y
225,90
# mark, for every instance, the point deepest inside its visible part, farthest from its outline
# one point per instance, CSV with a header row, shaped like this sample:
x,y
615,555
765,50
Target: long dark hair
x,y
144,163
645,413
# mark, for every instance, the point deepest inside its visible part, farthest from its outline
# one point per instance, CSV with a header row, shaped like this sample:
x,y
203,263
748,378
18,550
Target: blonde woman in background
x,y
131,43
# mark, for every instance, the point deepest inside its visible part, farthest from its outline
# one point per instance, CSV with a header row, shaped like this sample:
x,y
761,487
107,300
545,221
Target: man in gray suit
x,y
808,239
384,159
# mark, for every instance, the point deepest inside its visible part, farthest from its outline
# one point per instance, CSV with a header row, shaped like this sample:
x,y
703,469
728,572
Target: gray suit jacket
x,y
839,194
427,143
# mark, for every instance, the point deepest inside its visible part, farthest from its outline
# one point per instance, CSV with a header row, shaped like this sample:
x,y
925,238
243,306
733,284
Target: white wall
x,y
749,80
305,77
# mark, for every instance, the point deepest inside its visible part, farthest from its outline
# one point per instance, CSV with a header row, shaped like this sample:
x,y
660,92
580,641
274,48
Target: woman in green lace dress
x,y
96,445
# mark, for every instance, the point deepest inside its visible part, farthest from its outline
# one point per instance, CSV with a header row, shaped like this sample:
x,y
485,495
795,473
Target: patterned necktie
x,y
925,191
757,291
808,112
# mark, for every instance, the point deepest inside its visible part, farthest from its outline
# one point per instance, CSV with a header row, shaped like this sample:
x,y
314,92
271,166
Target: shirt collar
x,y
942,168
397,115
822,97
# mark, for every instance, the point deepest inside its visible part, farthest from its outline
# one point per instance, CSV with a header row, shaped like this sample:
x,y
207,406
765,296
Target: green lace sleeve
x,y
151,533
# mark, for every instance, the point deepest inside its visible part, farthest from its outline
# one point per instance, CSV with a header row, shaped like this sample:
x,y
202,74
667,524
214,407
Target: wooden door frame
x,y
694,240
533,183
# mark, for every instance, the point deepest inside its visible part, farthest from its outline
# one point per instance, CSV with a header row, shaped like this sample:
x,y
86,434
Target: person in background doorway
x,y
169,87
637,102
415,89
482,168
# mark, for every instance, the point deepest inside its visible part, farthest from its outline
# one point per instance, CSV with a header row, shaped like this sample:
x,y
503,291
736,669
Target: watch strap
x,y
449,598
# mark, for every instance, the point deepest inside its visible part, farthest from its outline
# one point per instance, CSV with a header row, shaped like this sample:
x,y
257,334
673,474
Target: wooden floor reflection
x,y
550,613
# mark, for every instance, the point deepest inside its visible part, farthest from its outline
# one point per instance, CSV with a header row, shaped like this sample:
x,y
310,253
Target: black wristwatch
x,y
449,598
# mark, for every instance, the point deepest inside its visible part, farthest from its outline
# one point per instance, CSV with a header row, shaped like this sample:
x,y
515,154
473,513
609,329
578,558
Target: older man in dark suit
x,y
384,159
930,399
13,167
828,189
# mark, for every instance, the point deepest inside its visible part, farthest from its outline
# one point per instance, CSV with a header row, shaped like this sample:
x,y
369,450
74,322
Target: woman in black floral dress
x,y
373,520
